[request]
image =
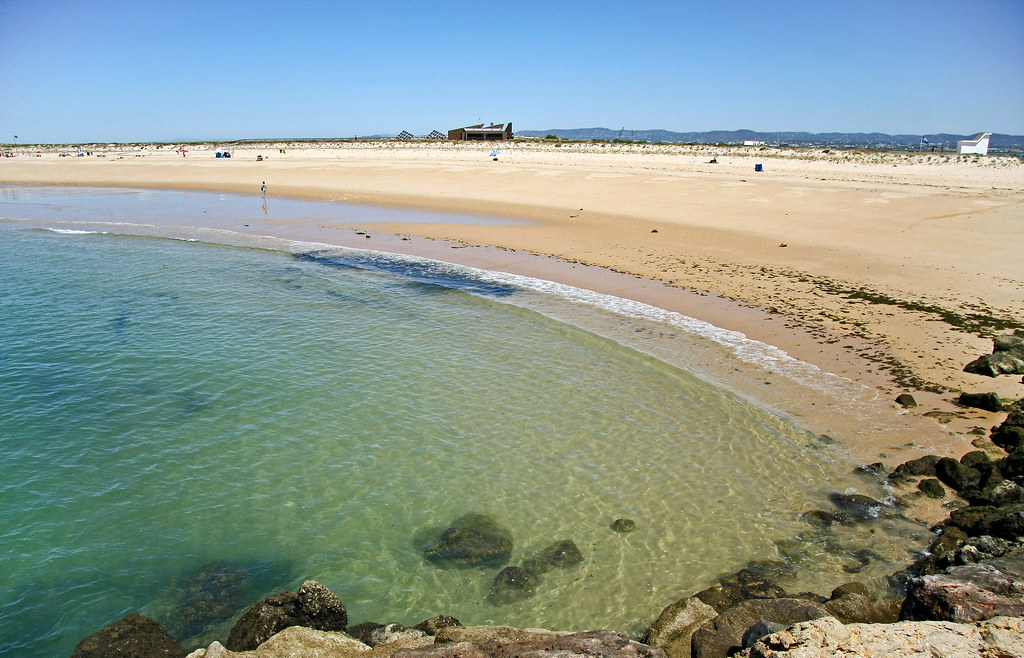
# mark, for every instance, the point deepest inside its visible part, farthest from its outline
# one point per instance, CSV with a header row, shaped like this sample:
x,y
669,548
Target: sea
x,y
192,419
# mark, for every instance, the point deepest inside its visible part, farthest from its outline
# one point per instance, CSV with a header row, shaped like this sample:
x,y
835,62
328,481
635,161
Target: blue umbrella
x,y
494,153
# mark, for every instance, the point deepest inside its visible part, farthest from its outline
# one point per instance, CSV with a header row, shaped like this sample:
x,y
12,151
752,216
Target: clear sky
x,y
169,70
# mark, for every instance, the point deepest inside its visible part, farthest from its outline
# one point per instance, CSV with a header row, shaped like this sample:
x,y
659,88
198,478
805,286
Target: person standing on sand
x,y
263,188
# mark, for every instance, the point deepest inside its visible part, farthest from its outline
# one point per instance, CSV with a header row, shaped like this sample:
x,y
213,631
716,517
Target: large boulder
x,y
1001,636
723,636
134,636
472,540
313,606
494,635
970,592
676,624
1007,358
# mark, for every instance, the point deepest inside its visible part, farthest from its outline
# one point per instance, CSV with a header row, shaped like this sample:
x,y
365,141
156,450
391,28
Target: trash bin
x,y
757,167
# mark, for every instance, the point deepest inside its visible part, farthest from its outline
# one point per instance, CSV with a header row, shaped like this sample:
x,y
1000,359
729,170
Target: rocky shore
x,y
964,596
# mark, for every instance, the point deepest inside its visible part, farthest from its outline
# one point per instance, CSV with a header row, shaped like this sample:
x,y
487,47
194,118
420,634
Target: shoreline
x,y
847,265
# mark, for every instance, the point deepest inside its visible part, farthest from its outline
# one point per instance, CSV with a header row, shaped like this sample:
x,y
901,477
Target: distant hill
x,y
1000,142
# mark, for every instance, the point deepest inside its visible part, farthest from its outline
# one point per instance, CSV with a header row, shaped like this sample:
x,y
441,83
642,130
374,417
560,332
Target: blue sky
x,y
147,70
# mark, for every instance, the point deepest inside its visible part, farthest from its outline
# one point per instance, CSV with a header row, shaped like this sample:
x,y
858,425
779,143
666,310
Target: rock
x,y
759,630
134,636
971,592
388,633
999,637
906,400
588,644
718,597
449,650
849,588
1007,358
494,635
986,401
1006,522
472,540
864,609
981,548
753,583
1010,434
1008,437
1008,343
433,625
512,584
313,606
560,555
211,596
857,507
819,518
932,488
957,476
293,642
920,466
721,636
675,625
1004,494
623,525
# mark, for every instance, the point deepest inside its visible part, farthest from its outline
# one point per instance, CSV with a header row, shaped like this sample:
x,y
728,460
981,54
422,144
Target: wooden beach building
x,y
494,133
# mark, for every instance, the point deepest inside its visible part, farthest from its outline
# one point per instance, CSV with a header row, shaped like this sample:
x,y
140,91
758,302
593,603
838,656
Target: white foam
x,y
71,231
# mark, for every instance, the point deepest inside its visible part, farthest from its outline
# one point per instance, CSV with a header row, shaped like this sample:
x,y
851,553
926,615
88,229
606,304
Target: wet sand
x,y
856,262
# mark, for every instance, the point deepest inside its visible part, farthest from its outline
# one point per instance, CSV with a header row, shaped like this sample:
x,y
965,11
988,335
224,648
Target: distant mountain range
x,y
999,142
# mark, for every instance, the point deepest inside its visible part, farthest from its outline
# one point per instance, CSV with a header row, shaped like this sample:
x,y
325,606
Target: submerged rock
x,y
857,507
512,584
134,636
560,555
211,596
471,540
623,525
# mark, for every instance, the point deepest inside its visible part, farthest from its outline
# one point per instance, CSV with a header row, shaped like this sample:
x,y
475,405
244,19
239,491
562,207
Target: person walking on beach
x,y
263,188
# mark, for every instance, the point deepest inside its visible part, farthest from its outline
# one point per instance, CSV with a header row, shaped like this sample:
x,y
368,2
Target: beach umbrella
x,y
494,153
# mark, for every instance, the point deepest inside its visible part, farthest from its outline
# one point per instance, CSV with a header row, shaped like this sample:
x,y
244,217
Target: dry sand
x,y
922,238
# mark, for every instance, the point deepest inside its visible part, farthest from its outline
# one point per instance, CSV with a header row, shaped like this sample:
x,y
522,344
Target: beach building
x,y
979,144
494,133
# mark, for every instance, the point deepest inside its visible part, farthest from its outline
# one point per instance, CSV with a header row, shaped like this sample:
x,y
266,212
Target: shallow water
x,y
167,405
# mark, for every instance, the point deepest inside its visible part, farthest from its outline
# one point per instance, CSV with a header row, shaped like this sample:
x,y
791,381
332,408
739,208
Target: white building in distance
x,y
977,145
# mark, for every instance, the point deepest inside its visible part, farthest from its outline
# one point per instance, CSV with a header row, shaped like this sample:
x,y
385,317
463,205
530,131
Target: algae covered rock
x,y
312,606
134,636
472,540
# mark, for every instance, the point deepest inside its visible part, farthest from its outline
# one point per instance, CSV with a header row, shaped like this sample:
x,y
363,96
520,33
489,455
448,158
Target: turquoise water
x,y
169,405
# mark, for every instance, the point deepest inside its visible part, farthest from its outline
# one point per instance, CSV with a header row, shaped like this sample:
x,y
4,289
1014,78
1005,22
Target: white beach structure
x,y
977,145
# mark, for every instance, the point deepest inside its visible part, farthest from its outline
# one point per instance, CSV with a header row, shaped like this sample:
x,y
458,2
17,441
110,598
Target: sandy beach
x,y
890,269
